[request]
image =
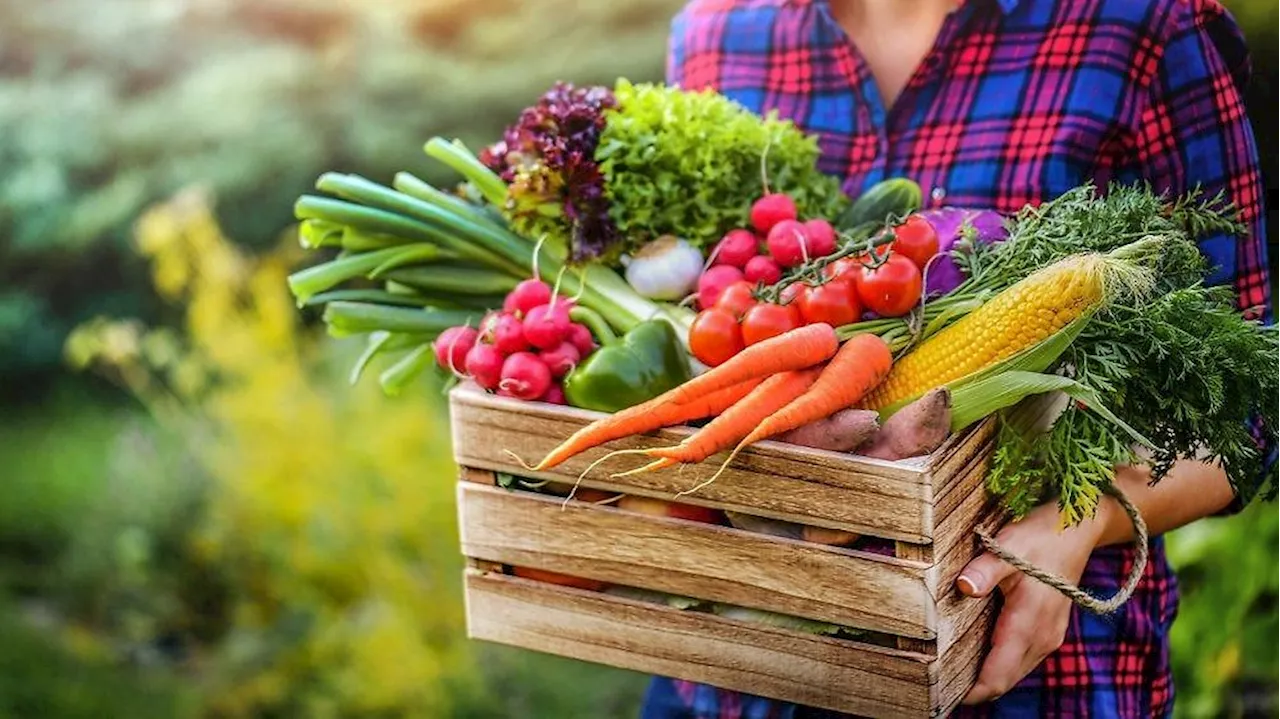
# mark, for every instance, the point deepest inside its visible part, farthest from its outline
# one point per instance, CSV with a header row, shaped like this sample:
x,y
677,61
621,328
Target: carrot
x,y
734,423
737,422
646,417
800,348
861,364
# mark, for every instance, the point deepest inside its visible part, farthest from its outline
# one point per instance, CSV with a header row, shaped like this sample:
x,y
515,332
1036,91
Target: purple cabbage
x,y
547,159
944,275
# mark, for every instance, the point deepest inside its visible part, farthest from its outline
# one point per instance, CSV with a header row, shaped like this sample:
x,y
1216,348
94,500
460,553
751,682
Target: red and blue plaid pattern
x,y
1019,101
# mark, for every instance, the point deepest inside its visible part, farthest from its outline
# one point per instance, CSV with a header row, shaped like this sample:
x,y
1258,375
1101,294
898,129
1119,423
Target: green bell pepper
x,y
623,372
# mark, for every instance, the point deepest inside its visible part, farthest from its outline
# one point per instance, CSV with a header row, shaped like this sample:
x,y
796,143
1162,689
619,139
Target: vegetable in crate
x,y
626,371
685,163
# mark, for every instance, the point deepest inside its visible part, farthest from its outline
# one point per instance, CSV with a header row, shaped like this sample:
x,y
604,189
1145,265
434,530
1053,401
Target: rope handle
x,y
1075,593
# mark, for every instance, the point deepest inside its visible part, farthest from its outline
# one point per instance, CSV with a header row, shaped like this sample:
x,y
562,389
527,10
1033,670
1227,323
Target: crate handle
x,y
1082,598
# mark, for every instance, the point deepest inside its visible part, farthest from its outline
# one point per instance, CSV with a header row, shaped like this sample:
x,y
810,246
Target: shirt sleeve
x,y
1193,132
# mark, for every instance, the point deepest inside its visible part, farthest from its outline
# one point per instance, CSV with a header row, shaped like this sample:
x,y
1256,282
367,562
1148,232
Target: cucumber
x,y
895,197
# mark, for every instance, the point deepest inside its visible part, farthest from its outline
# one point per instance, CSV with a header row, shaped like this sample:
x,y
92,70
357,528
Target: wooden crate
x,y
923,639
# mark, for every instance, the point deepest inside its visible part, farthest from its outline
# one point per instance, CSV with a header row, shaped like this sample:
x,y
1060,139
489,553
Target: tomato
x,y
564,580
736,299
917,240
789,293
846,267
715,336
768,320
892,289
834,302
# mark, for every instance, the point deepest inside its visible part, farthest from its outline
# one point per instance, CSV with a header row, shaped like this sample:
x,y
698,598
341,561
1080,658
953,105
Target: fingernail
x,y
967,585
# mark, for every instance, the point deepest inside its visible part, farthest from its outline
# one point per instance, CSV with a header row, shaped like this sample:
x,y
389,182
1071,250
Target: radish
x,y
560,359
736,248
713,282
770,210
507,334
546,326
452,346
580,337
484,365
762,269
527,295
524,376
822,237
789,243
555,395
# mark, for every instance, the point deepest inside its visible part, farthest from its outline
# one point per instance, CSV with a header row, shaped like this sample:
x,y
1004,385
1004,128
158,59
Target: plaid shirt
x,y
1018,102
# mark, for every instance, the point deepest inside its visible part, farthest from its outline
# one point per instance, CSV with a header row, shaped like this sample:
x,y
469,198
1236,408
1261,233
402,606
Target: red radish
x,y
789,243
560,359
822,237
524,376
453,345
712,283
527,295
762,269
736,248
545,326
507,334
484,365
555,395
770,210
580,337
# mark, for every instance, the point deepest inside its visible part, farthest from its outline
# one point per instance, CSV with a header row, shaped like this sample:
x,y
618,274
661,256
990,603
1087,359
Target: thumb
x,y
982,575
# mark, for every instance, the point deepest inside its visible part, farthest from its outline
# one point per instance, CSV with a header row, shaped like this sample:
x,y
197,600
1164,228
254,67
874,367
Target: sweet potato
x,y
841,432
915,430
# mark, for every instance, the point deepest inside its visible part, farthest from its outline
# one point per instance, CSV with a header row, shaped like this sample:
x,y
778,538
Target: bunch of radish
x,y
523,351
778,241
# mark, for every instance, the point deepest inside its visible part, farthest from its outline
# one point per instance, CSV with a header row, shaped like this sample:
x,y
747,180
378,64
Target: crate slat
x,y
864,680
709,562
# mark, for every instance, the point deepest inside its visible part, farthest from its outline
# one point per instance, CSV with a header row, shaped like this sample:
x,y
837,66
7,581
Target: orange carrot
x,y
736,422
646,417
861,364
800,348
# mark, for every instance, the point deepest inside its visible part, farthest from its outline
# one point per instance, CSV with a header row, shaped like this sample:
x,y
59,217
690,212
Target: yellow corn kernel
x,y
1019,317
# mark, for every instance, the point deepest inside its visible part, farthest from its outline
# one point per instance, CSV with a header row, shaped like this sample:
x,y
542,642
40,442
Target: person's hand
x,y
1034,618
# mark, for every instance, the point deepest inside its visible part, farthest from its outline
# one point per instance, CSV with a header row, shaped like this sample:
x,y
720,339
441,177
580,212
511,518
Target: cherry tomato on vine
x,y
835,303
917,240
768,320
892,289
789,293
843,268
715,336
737,298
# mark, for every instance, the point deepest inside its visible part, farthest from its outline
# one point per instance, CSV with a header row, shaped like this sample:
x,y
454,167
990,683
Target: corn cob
x,y
1016,319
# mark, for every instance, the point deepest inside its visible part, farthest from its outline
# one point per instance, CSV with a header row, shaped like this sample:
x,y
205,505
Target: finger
x,y
1002,668
983,575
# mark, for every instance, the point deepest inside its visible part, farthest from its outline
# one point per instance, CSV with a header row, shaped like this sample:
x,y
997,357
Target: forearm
x,y
1190,491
